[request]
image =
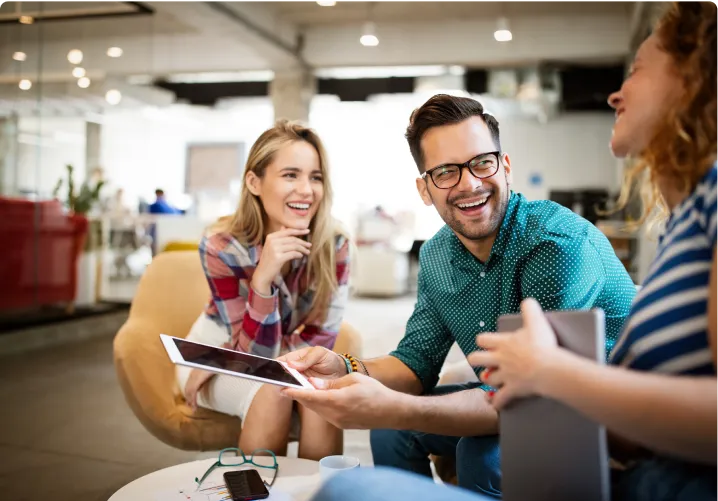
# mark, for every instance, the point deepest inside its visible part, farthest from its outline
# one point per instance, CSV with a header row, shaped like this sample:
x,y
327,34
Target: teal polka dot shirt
x,y
542,250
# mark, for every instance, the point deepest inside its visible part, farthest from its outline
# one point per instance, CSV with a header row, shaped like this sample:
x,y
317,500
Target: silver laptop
x,y
550,452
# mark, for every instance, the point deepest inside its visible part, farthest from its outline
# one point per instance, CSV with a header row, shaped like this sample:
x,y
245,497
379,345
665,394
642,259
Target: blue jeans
x,y
655,480
664,480
388,484
477,458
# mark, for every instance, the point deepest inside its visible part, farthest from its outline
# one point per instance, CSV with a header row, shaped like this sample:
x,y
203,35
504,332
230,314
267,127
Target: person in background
x,y
278,274
161,205
496,249
658,395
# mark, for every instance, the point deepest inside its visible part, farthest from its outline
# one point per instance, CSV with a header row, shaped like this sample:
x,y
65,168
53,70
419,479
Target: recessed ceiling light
x,y
25,84
75,56
114,52
78,72
19,56
83,83
326,3
26,19
113,97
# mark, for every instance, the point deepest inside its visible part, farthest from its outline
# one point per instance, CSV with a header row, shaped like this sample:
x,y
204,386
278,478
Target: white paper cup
x,y
331,465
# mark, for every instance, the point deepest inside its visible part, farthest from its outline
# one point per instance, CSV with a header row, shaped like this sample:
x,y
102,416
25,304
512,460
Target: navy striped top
x,y
667,329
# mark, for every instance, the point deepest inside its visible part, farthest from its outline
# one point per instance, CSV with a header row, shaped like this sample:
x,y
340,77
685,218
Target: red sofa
x,y
39,249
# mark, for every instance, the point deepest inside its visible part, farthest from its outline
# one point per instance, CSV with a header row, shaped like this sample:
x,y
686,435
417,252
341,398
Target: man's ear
x,y
507,167
254,184
423,189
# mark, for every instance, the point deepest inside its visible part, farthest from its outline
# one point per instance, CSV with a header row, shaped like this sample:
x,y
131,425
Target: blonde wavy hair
x,y
684,146
248,224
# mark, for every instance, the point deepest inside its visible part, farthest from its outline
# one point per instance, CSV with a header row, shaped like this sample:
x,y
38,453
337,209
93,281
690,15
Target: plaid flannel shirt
x,y
268,326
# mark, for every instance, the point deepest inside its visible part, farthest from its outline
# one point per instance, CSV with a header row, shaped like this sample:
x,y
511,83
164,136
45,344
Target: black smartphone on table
x,y
245,485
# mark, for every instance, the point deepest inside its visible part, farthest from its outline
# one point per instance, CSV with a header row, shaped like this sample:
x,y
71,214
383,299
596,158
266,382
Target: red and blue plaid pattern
x,y
268,326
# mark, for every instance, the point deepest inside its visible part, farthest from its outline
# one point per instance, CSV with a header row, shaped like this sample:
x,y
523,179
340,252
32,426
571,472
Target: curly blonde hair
x,y
684,146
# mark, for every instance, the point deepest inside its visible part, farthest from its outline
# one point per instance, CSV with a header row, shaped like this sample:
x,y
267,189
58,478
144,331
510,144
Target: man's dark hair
x,y
443,109
159,192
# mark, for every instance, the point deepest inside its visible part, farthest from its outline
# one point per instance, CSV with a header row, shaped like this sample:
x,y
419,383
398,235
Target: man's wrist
x,y
347,366
403,412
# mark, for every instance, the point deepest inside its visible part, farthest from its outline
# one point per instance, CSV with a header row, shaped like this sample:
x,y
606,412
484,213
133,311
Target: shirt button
x,y
481,324
482,274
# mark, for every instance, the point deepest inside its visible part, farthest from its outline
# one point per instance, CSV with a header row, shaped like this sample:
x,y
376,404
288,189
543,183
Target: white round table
x,y
297,480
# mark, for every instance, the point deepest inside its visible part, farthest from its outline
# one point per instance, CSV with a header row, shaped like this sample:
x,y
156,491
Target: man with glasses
x,y
496,249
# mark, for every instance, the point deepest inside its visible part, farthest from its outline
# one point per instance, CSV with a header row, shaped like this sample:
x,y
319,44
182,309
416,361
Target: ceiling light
x,y
25,84
381,71
26,20
326,3
83,83
114,52
78,72
502,33
75,56
19,56
368,37
113,96
217,77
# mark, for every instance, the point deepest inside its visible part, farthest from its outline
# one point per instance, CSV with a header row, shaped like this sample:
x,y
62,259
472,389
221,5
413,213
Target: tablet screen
x,y
234,361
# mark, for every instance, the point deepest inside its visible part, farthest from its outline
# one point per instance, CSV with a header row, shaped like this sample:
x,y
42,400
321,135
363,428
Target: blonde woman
x,y
277,272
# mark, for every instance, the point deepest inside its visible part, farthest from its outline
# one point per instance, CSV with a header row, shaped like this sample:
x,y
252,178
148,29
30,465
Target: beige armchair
x,y
169,298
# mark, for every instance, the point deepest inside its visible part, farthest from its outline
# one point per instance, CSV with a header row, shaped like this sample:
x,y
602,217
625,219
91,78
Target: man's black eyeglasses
x,y
481,166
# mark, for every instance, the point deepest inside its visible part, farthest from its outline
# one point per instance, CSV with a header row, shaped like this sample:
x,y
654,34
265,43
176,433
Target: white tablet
x,y
232,363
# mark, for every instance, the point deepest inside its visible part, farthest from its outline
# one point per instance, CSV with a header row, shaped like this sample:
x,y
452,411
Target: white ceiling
x,y
194,37
120,27
311,14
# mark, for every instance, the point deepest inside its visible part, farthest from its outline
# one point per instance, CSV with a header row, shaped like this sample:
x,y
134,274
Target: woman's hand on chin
x,y
279,248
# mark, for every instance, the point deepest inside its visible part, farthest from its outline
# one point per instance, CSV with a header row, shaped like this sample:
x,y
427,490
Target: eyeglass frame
x,y
427,174
218,464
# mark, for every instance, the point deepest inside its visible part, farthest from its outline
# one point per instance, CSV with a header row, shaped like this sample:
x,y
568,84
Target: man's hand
x,y
352,402
316,362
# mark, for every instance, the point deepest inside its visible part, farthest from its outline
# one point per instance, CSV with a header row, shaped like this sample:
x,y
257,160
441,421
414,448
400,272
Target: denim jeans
x,y
477,458
662,479
388,484
655,480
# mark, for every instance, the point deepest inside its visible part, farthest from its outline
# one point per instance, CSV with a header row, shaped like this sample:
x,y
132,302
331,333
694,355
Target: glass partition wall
x,y
58,68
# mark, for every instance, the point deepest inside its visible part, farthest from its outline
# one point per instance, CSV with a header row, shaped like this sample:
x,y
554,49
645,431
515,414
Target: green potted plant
x,y
81,203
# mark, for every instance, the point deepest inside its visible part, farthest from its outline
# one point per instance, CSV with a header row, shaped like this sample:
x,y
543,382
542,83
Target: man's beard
x,y
484,230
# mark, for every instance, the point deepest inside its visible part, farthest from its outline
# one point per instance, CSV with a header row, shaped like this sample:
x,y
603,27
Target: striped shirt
x,y
268,325
667,330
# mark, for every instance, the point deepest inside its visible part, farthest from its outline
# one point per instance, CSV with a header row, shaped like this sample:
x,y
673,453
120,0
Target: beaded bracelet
x,y
352,361
366,371
347,363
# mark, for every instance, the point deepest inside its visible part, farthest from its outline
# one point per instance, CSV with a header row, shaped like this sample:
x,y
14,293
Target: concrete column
x,y
291,93
9,154
93,143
